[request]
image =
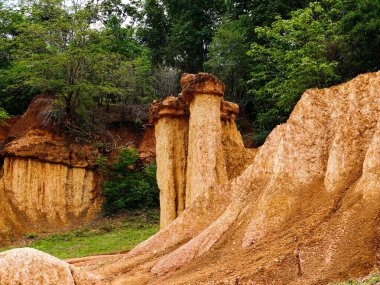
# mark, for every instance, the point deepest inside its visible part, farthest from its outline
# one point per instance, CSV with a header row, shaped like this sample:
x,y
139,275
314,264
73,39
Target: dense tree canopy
x,y
270,53
57,49
267,52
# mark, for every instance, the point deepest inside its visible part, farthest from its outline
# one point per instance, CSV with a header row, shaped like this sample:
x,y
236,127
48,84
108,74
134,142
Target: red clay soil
x,y
306,211
32,135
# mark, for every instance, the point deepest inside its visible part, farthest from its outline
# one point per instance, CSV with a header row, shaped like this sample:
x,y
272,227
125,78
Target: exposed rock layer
x,y
46,182
49,194
306,211
171,149
42,196
205,161
49,178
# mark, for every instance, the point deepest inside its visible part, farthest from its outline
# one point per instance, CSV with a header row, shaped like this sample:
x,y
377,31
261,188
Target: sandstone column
x,y
170,118
205,162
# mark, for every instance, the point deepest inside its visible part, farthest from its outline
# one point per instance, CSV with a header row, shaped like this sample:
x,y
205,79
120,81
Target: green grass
x,y
109,236
369,280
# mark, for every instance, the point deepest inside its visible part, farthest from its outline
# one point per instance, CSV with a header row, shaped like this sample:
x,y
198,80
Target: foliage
x,y
179,32
56,48
292,57
103,52
31,236
127,186
268,54
359,32
154,30
228,59
3,116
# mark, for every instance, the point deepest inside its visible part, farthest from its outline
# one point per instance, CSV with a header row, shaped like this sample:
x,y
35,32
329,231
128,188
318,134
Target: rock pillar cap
x,y
228,110
201,83
169,107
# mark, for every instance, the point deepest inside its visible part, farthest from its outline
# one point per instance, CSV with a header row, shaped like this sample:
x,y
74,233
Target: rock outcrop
x,y
305,211
48,178
46,182
29,266
198,144
170,119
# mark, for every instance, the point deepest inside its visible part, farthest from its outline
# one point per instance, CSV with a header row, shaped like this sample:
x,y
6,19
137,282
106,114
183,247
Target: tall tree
x,y
192,25
58,51
229,61
292,56
228,56
154,30
359,32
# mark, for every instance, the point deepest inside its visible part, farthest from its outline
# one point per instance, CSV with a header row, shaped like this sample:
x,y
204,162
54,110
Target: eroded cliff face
x,y
46,183
305,211
206,165
48,179
50,193
171,161
41,196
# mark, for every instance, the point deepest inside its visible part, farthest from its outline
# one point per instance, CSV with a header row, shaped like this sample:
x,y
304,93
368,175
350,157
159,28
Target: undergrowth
x,y
117,234
373,279
128,184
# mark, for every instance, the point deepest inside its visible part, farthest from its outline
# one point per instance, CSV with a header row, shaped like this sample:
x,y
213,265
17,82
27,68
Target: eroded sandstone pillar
x,y
170,119
205,162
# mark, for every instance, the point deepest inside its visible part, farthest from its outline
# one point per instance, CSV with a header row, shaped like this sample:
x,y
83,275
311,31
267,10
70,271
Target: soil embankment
x,y
306,211
49,179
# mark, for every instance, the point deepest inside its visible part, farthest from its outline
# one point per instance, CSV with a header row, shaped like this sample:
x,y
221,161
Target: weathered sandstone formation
x,y
205,161
171,130
196,137
46,183
48,179
30,266
305,211
51,193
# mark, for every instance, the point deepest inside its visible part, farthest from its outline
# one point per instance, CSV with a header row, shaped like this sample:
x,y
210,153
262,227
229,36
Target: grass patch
x,y
372,279
117,234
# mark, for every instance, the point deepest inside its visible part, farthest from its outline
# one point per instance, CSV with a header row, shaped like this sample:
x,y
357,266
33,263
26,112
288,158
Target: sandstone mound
x,y
30,266
306,211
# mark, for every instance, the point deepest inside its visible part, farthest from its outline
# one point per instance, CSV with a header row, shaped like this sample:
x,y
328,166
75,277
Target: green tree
x,y
292,57
154,30
14,95
60,50
359,31
192,25
228,58
229,61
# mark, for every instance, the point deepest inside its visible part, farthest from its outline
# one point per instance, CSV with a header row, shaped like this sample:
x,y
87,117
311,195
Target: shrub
x,y
128,185
32,236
